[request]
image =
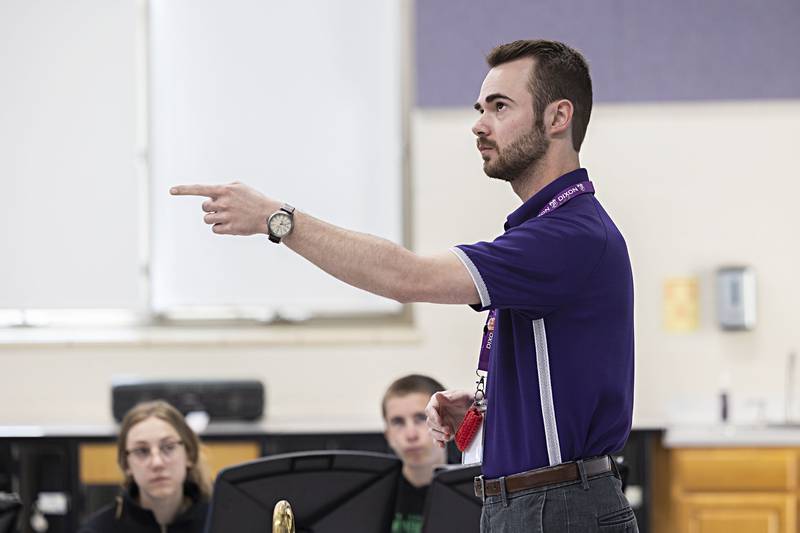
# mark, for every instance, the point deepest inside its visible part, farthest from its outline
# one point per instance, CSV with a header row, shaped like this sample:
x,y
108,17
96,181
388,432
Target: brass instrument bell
x,y
283,518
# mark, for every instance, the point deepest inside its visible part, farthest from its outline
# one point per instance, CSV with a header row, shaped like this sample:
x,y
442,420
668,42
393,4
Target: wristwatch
x,y
280,223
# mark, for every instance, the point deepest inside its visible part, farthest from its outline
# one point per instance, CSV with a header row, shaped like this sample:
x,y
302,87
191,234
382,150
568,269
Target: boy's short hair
x,y
408,385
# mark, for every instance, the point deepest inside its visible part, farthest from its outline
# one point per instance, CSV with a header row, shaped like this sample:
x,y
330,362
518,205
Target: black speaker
x,y
222,400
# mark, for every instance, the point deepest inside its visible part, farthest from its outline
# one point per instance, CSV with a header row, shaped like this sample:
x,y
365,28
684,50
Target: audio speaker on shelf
x,y
220,399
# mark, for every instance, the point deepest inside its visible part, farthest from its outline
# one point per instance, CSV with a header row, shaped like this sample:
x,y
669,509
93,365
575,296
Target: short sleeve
x,y
534,267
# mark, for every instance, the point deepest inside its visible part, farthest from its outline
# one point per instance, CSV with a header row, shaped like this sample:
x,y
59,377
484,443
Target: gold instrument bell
x,y
282,518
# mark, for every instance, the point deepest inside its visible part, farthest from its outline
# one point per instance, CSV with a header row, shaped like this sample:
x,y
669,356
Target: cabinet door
x,y
735,470
740,513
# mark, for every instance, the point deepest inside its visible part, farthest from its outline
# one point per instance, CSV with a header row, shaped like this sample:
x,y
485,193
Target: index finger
x,y
211,191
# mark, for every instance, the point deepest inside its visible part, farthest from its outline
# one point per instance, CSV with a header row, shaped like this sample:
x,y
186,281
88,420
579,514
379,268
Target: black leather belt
x,y
541,477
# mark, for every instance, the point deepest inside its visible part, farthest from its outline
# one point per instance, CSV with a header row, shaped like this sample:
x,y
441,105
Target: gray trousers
x,y
598,505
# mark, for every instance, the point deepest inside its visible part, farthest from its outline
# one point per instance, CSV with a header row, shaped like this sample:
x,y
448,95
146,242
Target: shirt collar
x,y
537,202
129,498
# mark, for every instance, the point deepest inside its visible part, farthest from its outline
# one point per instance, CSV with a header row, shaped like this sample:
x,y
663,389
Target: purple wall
x,y
638,50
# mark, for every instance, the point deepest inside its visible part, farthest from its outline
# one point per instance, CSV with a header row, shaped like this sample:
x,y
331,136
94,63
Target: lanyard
x,y
573,191
486,344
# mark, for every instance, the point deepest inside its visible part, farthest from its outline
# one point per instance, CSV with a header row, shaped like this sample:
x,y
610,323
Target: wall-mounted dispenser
x,y
736,298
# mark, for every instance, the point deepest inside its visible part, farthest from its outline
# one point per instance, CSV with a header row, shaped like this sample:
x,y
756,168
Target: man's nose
x,y
479,128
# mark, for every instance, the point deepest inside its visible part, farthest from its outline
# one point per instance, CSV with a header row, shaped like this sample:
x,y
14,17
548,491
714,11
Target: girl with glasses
x,y
166,487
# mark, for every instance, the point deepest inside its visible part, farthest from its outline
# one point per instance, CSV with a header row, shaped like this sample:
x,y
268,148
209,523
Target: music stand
x,y
329,491
451,504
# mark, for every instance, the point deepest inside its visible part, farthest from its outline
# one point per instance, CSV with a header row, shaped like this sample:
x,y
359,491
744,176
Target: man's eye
x,y
500,105
141,453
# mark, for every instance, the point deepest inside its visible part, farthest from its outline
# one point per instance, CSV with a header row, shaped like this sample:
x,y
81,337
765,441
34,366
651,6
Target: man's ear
x,y
558,117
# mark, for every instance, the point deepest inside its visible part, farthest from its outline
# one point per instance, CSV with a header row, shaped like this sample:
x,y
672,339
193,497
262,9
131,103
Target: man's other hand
x,y
445,412
233,209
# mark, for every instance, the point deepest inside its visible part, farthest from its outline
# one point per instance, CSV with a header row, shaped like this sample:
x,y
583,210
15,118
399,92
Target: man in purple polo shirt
x,y
557,282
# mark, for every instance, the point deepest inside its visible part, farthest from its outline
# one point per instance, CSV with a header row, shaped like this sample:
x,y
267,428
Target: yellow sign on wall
x,y
681,304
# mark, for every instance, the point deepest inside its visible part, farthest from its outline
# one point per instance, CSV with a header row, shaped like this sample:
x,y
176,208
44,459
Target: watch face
x,y
280,224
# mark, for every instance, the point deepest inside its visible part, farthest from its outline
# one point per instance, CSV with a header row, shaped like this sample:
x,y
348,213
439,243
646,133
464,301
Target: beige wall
x,y
692,187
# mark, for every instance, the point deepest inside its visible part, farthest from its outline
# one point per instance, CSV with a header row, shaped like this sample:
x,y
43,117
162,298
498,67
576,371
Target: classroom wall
x,y
692,186
681,50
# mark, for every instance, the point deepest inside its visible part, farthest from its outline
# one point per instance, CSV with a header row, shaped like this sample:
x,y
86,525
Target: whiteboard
x,y
301,100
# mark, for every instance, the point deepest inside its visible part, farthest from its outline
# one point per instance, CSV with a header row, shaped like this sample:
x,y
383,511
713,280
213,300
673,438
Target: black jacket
x,y
127,516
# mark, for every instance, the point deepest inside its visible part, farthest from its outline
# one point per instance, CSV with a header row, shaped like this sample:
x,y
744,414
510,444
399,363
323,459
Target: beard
x,y
519,156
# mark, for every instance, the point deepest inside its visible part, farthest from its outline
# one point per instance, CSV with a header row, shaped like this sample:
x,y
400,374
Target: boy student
x,y
407,434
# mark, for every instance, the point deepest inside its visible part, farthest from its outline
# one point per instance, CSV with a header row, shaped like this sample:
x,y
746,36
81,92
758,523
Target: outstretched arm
x,y
364,261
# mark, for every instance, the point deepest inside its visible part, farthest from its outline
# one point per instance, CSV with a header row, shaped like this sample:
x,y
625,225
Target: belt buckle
x,y
482,481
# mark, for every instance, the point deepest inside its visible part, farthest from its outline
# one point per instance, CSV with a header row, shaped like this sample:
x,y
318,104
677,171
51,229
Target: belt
x,y
542,477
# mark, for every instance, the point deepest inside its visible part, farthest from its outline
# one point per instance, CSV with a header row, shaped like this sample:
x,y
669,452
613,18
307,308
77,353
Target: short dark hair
x,y
409,385
560,72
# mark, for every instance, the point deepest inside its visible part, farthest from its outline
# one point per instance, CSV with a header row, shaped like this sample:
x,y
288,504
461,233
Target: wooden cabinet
x,y
746,512
729,490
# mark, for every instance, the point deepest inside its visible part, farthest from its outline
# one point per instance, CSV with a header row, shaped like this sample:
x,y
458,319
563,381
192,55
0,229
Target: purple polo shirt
x,y
560,384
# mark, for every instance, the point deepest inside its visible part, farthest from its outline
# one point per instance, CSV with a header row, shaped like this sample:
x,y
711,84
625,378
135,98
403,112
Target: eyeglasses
x,y
167,450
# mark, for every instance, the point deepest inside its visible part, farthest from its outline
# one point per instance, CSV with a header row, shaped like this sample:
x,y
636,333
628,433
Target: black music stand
x,y
329,491
451,504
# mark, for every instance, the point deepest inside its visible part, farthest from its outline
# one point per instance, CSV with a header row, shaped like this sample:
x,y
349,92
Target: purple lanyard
x,y
486,344
573,191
